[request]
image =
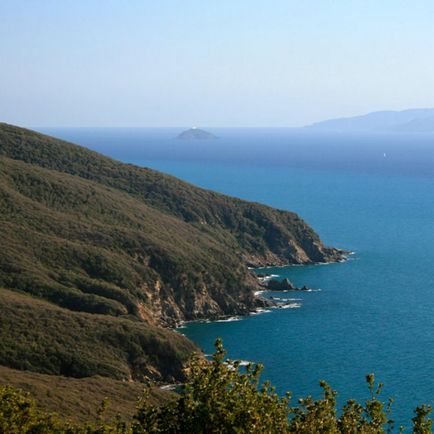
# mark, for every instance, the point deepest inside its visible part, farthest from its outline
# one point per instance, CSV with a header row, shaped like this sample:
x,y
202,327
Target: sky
x,y
233,63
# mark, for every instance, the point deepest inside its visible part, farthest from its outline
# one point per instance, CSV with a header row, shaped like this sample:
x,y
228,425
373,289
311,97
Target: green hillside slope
x,y
112,235
118,251
78,399
41,337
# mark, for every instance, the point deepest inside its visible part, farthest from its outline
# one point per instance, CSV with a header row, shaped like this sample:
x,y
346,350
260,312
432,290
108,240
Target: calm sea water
x,y
371,194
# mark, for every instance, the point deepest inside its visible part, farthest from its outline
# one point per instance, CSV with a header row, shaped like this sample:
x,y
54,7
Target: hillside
x,y
64,396
110,252
41,337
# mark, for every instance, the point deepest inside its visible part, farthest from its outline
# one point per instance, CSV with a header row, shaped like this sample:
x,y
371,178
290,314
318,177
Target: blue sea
x,y
368,193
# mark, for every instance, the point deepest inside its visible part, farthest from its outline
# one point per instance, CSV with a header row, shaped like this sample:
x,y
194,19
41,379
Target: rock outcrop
x,y
284,285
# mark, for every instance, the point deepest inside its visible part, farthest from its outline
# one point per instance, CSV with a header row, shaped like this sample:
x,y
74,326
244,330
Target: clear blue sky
x,y
211,63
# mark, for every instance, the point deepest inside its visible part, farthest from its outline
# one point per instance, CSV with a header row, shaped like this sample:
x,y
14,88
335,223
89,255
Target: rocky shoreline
x,y
267,282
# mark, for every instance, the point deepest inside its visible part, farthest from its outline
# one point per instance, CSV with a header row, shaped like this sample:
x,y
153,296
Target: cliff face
x,y
95,235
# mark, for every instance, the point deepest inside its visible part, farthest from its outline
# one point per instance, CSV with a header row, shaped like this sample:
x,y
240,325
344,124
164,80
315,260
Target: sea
x,y
371,194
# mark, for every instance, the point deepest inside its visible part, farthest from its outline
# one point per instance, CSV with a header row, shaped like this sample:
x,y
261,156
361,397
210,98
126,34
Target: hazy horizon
x,y
319,121
225,64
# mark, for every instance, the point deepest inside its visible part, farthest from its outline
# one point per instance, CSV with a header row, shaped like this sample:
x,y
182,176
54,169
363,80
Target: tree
x,y
221,397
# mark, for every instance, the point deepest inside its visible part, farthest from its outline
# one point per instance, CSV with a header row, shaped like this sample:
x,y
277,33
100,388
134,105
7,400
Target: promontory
x,y
99,257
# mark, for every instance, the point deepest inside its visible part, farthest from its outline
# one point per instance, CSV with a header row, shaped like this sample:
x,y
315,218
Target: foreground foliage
x,y
220,396
64,395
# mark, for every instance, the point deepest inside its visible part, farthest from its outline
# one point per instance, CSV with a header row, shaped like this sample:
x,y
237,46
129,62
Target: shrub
x,y
222,397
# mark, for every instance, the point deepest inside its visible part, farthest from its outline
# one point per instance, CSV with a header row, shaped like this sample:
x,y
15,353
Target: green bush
x,y
18,414
221,397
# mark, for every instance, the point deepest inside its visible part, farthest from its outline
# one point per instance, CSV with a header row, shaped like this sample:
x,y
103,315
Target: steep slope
x,y
87,247
41,337
261,230
134,248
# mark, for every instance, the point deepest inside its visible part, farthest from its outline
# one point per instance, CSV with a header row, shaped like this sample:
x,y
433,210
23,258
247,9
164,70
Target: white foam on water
x,y
230,319
291,306
267,277
287,306
260,311
287,299
230,364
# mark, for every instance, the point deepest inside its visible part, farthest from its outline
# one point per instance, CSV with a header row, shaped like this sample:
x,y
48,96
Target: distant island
x,y
196,134
406,121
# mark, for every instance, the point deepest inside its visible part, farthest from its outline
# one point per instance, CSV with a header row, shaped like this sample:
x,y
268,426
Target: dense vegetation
x,y
92,234
97,257
219,397
41,337
77,399
113,252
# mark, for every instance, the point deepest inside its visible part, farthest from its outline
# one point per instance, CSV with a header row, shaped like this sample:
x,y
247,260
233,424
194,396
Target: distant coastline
x,y
405,121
